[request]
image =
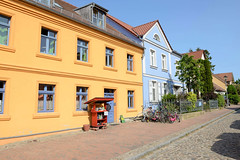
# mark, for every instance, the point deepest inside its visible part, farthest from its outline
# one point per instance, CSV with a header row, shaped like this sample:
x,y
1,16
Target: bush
x,y
232,90
210,95
221,101
169,97
192,98
234,99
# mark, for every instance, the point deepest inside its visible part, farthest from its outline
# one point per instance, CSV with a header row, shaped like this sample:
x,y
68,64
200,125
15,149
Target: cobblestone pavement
x,y
220,140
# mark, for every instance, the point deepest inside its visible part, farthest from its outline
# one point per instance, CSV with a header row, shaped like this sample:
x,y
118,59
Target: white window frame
x,y
153,91
153,59
176,65
164,62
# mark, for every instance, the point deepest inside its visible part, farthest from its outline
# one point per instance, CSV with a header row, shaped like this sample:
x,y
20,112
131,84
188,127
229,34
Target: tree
x,y
207,77
189,72
237,81
232,94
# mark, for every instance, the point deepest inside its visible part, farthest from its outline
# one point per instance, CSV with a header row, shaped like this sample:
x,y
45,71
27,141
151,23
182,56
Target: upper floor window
x,y
156,37
165,88
98,18
109,57
81,98
82,50
129,62
4,29
45,2
46,96
48,41
130,99
164,62
153,61
2,94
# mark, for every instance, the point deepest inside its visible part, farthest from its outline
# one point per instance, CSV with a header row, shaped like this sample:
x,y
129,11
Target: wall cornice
x,y
8,67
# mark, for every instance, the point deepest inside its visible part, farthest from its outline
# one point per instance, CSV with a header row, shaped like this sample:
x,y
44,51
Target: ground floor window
x,y
2,93
46,96
81,98
130,99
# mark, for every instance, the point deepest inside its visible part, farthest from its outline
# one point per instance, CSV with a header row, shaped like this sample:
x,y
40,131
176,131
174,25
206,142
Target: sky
x,y
213,25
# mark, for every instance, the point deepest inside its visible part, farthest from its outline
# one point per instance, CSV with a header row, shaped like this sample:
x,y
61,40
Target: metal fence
x,y
213,104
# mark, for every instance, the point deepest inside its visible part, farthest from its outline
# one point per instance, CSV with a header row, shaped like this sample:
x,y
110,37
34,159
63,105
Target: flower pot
x,y
86,127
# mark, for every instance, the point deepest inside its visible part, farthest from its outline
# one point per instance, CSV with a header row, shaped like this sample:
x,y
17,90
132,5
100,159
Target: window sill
x,y
131,110
164,70
46,115
131,72
7,49
153,67
80,113
51,57
110,69
5,117
83,63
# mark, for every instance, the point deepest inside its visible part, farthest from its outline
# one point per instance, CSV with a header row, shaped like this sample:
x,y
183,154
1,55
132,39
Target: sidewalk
x,y
106,144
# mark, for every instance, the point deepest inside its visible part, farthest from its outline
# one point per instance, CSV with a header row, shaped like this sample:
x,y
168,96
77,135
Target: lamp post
x,y
225,78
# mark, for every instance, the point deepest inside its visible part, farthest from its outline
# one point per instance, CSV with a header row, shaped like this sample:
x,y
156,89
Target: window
x,y
98,18
4,29
156,37
109,57
2,93
129,62
46,96
164,62
130,99
153,58
82,50
153,91
81,98
45,2
48,41
165,89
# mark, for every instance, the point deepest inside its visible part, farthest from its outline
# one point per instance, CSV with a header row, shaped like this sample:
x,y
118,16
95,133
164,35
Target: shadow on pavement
x,y
228,146
235,125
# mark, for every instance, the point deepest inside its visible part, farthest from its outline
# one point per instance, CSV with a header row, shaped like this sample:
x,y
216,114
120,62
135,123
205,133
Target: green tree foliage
x,y
192,98
237,86
237,81
232,94
207,77
169,97
221,101
189,72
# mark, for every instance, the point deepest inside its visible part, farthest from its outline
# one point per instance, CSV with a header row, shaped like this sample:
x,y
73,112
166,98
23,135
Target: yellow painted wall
x,y
218,82
23,67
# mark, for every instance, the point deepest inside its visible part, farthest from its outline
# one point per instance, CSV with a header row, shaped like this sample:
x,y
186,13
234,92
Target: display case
x,y
99,111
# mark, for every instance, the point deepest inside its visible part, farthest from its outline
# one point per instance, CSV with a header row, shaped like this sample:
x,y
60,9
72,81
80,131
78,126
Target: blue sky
x,y
208,24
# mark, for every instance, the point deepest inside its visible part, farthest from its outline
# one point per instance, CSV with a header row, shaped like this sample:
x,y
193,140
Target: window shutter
x,y
159,92
162,88
155,59
150,91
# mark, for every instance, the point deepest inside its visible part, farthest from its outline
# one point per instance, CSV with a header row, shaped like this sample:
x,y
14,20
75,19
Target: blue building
x,y
158,62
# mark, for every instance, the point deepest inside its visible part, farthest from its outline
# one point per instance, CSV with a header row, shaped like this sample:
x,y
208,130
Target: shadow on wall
x,y
229,143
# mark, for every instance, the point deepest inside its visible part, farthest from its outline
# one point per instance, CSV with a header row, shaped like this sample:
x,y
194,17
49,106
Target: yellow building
x,y
52,60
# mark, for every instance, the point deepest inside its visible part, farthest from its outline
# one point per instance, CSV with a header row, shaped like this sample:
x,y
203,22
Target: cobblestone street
x,y
220,140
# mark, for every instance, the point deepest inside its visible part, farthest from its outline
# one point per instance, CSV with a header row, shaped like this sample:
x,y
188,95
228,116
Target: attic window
x,y
57,5
98,18
44,2
156,37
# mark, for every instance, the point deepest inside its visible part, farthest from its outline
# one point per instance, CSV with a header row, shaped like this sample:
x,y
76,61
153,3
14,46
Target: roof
x,y
144,28
219,78
68,12
229,76
218,88
196,55
94,5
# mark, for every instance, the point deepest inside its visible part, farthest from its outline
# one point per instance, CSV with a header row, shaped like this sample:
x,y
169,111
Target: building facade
x,y
52,61
159,60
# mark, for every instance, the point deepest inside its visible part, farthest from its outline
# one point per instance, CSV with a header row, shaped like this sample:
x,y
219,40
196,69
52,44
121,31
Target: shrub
x,y
221,101
192,98
210,95
232,90
234,99
169,97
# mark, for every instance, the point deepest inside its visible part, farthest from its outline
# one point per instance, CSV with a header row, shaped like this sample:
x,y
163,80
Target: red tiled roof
x,y
67,6
123,24
196,55
229,76
144,28
219,78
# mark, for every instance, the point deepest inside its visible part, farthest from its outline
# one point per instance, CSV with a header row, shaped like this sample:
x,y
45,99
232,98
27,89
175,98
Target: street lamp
x,y
225,78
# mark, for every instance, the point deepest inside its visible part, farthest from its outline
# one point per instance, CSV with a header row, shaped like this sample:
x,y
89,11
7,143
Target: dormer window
x,y
98,18
44,2
156,37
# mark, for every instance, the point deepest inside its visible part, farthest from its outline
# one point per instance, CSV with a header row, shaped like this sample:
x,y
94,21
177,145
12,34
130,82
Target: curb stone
x,y
160,145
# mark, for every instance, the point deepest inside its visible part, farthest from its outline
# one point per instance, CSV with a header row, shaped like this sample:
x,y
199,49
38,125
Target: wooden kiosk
x,y
99,111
